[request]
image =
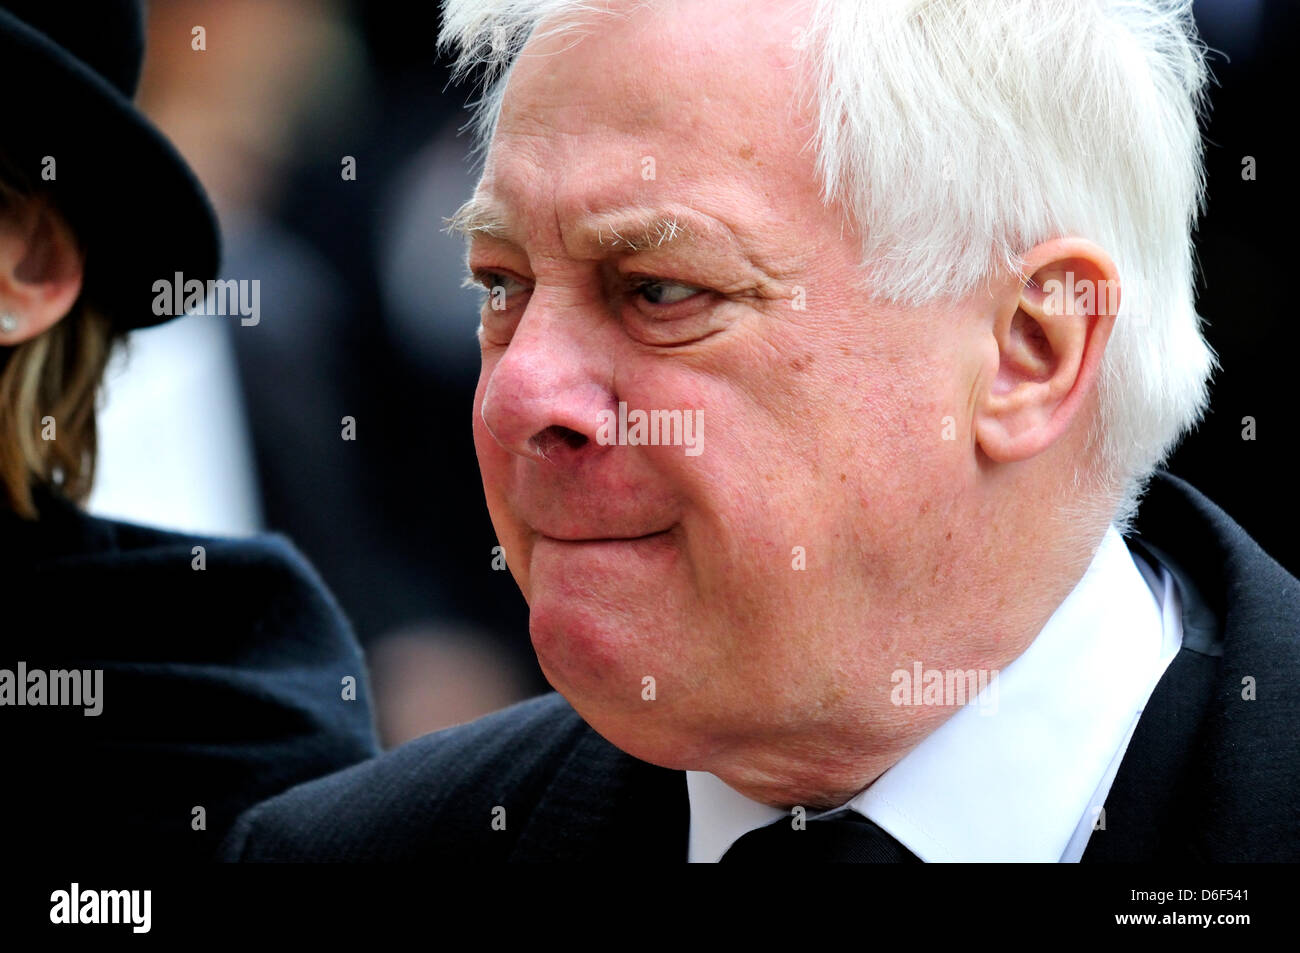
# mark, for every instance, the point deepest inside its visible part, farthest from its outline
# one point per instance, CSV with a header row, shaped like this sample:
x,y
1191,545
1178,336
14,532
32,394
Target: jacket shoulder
x,y
458,793
223,671
1247,604
1234,797
255,601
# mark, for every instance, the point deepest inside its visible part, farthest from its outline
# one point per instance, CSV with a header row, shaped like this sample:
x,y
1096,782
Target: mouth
x,y
605,539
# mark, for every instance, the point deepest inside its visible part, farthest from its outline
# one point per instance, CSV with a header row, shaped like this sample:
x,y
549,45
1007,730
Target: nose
x,y
543,396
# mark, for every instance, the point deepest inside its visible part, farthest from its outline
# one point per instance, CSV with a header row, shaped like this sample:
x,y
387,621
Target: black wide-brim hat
x,y
69,71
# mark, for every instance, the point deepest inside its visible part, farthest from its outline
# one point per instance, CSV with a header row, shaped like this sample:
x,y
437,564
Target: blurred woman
x,y
152,685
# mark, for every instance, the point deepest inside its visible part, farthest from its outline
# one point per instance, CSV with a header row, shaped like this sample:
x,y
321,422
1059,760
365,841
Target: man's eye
x,y
496,286
665,292
491,280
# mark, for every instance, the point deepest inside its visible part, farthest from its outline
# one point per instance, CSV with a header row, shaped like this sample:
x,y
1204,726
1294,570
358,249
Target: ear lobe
x,y
42,268
1051,332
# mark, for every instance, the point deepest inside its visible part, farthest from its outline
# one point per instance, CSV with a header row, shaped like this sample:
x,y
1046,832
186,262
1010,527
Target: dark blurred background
x,y
363,315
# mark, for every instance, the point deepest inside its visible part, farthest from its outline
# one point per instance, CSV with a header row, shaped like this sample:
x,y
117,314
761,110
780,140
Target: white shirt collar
x,y
1008,778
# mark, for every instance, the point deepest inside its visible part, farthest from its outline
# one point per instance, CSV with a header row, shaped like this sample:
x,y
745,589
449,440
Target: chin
x,y
601,672
647,730
584,650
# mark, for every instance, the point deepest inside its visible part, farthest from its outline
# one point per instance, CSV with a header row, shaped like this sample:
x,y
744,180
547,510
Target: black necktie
x,y
844,837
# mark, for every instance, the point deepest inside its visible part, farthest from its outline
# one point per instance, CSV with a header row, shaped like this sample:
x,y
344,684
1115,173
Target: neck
x,y
828,763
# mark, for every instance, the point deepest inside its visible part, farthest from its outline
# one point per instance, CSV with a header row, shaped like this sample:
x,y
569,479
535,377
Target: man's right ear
x,y
41,268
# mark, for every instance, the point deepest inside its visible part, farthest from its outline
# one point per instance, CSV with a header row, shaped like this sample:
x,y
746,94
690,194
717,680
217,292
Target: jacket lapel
x,y
1144,811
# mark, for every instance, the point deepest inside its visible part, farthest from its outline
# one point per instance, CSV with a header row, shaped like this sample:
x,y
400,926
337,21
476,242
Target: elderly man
x,y
921,273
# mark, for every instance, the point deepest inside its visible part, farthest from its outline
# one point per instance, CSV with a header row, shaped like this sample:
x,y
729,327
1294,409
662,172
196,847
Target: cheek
x,y
746,500
907,477
855,461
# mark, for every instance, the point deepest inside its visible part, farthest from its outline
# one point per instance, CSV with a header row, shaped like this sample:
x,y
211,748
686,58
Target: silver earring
x,y
8,323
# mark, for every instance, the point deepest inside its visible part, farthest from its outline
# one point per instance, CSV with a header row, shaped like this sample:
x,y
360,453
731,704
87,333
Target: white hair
x,y
959,135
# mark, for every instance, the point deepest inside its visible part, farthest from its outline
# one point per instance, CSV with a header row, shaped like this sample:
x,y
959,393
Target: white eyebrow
x,y
630,231
654,232
478,216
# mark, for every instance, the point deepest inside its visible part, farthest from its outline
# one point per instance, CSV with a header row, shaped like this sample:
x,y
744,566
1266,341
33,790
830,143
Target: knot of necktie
x,y
843,837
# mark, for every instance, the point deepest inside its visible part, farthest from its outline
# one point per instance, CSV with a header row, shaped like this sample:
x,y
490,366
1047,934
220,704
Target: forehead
x,y
690,101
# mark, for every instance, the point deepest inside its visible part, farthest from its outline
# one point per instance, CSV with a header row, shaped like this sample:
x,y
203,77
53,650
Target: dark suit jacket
x,y
221,687
1208,775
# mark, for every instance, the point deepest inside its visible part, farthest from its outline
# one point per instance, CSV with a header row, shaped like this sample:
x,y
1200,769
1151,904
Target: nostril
x,y
574,439
552,438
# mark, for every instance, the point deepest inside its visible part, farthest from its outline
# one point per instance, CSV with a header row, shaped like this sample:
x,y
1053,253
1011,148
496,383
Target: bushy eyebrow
x,y
654,231
478,216
630,230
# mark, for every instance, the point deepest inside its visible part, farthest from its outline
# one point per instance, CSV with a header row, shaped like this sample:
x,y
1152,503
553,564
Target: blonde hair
x,y
50,381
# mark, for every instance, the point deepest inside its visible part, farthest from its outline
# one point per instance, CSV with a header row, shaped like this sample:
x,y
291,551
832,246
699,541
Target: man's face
x,y
771,583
